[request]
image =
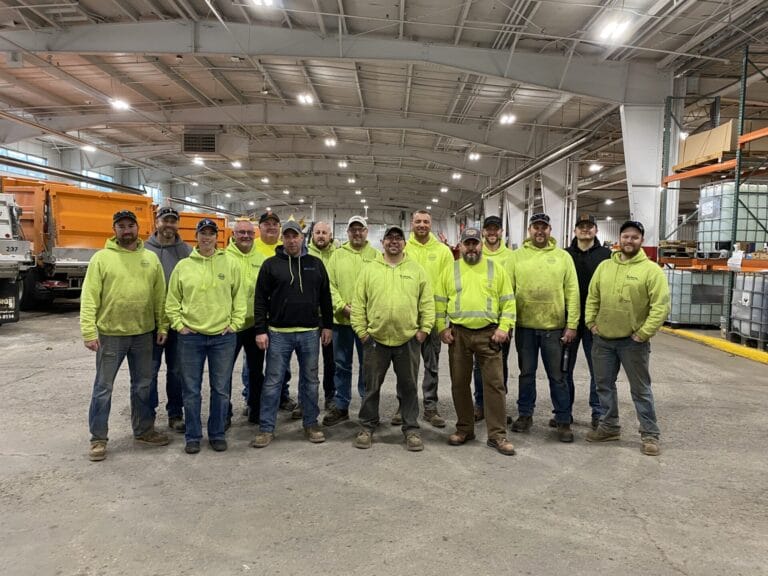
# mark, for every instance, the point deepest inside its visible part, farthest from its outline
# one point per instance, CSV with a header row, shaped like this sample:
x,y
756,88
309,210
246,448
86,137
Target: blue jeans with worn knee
x,y
345,342
529,342
110,355
583,336
608,356
281,346
175,405
219,350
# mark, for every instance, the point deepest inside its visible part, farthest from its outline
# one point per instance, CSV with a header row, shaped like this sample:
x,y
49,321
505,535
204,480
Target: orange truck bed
x,y
188,222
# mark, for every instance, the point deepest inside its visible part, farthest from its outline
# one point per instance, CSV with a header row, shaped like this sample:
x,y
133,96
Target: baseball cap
x,y
267,215
471,234
207,223
121,214
391,229
632,224
292,225
358,220
167,211
538,217
586,218
493,221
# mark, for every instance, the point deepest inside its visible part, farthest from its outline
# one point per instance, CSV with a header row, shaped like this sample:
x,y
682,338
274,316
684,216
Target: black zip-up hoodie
x,y
292,292
586,263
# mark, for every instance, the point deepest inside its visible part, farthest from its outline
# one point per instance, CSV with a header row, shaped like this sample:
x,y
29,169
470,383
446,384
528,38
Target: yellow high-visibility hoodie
x,y
502,256
627,297
474,296
392,303
546,286
344,269
250,264
265,249
205,295
433,256
123,293
324,255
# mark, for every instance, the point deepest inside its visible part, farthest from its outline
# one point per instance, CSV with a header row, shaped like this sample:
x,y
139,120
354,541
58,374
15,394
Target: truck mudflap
x,y
9,301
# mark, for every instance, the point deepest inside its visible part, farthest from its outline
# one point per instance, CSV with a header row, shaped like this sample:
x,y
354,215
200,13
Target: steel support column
x,y
515,208
554,181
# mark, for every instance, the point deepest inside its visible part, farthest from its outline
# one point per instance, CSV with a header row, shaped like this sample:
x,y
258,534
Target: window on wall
x,y
153,192
100,176
31,158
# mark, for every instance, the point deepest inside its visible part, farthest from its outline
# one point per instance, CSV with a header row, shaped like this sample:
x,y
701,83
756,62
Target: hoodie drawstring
x,y
290,269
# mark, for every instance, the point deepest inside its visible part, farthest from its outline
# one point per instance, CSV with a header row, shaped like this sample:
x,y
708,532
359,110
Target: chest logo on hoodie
x,y
145,263
221,276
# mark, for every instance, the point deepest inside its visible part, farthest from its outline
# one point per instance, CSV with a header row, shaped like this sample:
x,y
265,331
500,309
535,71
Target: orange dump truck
x,y
65,226
188,224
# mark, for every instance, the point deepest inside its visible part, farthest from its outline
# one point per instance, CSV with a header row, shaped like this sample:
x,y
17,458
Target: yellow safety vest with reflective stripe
x,y
474,296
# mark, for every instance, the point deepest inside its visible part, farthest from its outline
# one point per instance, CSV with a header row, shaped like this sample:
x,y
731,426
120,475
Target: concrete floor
x,y
295,508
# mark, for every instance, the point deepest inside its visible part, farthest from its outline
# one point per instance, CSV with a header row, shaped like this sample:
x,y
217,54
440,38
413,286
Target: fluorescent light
x,y
264,180
195,184
456,175
507,119
358,192
268,209
188,198
443,189
306,98
351,180
363,201
330,142
265,3
595,167
118,104
684,135
474,156
228,195
220,206
342,163
608,218
251,203
198,161
286,191
88,148
301,200
435,200
614,30
429,207
608,201
236,164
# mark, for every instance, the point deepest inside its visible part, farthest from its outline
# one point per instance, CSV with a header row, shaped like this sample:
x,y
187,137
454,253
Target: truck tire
x,y
31,299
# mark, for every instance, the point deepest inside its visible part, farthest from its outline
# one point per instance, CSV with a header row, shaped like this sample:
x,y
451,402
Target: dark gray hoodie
x,y
169,255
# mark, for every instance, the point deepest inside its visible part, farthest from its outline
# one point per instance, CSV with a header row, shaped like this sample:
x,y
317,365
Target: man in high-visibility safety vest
x,y
475,310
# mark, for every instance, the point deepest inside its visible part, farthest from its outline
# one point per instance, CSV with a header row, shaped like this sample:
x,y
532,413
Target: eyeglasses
x,y
245,233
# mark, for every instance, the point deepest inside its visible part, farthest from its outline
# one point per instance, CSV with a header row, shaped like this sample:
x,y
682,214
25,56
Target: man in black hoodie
x,y
170,248
587,253
292,312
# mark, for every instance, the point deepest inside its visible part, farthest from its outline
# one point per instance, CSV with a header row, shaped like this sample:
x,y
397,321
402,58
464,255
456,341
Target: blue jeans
x,y
174,406
608,356
478,376
193,350
583,335
281,346
528,343
110,355
259,361
345,341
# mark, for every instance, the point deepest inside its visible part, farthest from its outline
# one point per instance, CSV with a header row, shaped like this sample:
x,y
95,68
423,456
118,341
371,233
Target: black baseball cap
x,y
391,229
167,211
538,217
493,221
632,224
122,214
586,219
207,223
267,215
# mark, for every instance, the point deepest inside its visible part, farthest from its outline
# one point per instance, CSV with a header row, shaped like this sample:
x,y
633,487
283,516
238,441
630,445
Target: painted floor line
x,y
720,344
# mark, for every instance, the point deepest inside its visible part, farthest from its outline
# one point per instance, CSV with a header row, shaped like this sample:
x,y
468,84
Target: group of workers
x,y
277,295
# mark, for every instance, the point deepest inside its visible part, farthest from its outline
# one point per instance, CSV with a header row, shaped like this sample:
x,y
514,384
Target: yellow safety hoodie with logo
x,y
474,296
502,256
433,256
344,270
249,264
123,293
546,287
266,250
392,303
324,255
627,297
204,294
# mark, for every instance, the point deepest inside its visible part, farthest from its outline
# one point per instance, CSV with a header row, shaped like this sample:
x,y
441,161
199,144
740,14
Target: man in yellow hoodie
x,y
344,269
206,306
249,260
393,313
120,307
547,292
424,247
628,301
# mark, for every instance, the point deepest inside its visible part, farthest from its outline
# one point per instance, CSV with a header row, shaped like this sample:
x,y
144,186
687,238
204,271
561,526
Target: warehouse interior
x,y
319,110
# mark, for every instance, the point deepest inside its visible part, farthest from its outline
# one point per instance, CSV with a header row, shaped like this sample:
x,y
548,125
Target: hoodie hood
x,y
111,244
281,253
551,244
155,243
596,244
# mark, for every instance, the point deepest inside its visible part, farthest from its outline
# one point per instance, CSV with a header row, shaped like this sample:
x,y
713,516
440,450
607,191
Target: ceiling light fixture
x,y
456,175
595,167
429,207
88,148
614,30
251,203
228,195
443,189
301,200
351,180
268,209
608,201
608,218
474,156
435,200
188,198
358,192
264,180
237,164
330,142
265,3
342,163
286,191
197,161
118,104
363,200
507,119
684,135
195,184
306,99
